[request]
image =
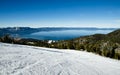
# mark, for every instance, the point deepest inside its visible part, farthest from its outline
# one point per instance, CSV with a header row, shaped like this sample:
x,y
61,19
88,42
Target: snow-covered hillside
x,y
29,60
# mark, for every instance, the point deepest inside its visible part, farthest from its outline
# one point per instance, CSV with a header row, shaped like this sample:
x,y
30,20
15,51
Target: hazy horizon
x,y
56,27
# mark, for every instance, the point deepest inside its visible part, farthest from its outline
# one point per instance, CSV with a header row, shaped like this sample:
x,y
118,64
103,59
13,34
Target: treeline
x,y
33,42
107,49
105,45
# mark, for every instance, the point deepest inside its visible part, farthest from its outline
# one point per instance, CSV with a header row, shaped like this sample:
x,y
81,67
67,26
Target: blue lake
x,y
64,34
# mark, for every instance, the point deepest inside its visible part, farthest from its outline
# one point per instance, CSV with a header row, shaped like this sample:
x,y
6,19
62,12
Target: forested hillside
x,y
106,45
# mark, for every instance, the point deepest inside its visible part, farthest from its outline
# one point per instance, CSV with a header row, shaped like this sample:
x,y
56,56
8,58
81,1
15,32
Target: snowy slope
x,y
29,60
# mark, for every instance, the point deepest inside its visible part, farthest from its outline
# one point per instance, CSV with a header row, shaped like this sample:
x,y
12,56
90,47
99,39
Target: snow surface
x,y
29,60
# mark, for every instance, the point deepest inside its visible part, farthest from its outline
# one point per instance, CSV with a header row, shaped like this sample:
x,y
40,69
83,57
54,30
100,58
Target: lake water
x,y
64,34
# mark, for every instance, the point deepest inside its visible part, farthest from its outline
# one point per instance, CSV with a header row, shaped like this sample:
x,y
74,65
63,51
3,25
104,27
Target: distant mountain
x,y
107,45
17,30
27,30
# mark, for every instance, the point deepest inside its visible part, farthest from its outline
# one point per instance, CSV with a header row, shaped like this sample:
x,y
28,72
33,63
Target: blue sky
x,y
60,13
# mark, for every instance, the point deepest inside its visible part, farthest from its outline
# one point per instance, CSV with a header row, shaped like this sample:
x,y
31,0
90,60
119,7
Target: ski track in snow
x,y
29,60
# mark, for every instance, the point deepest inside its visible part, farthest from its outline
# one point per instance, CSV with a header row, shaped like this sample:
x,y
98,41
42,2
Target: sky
x,y
60,13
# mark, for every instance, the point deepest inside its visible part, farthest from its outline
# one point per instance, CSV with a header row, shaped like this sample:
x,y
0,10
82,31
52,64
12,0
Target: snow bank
x,y
29,60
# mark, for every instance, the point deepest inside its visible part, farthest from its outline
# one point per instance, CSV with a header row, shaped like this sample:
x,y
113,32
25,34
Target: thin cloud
x,y
117,20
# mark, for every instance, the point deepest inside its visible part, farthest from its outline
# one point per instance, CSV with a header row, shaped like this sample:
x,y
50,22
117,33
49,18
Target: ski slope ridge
x,y
30,60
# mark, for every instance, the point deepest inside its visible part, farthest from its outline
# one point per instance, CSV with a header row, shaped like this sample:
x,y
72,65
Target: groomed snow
x,y
29,60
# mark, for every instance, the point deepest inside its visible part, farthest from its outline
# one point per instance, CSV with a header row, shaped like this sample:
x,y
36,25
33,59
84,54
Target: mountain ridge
x,y
103,44
107,45
27,30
